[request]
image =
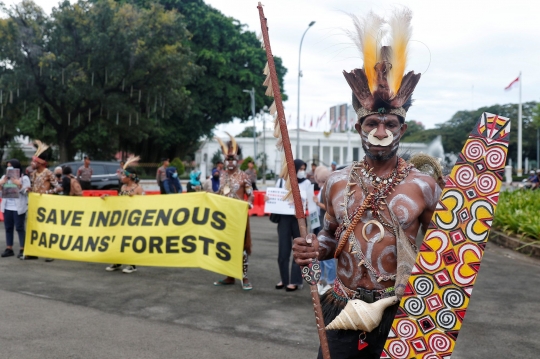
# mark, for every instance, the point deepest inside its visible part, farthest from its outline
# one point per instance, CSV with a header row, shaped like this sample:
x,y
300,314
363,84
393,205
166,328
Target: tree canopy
x,y
455,131
146,77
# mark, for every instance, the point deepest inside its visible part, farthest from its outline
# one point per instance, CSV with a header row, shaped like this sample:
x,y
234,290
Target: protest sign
x,y
277,204
10,189
185,230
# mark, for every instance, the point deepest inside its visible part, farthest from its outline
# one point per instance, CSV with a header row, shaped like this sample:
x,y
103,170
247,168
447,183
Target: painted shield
x,y
433,308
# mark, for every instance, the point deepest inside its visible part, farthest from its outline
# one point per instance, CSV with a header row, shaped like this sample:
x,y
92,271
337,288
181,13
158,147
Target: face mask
x,y
175,175
301,174
9,168
58,175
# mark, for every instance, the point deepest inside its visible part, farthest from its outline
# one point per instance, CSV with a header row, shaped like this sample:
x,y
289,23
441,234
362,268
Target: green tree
x,y
413,128
95,76
179,165
232,59
14,150
455,131
248,132
216,157
244,165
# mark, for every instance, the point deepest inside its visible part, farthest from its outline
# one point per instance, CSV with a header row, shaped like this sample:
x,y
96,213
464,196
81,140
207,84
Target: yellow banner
x,y
187,230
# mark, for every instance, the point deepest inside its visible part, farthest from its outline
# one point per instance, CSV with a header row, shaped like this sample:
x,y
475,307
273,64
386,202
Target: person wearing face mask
x,y
172,183
15,207
291,276
211,185
194,184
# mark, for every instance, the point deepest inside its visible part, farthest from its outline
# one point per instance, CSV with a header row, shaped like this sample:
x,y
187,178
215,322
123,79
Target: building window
x,y
326,156
305,153
335,154
316,157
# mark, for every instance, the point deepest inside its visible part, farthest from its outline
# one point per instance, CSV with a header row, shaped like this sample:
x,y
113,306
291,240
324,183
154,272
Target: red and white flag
x,y
512,84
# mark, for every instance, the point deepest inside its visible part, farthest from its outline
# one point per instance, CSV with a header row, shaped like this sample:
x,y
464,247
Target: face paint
x,y
392,142
231,164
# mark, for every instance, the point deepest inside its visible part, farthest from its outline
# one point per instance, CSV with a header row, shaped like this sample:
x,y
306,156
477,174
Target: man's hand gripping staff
x,y
311,269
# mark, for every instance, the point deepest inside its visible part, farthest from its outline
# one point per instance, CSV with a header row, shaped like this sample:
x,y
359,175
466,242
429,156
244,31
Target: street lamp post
x,y
298,107
252,94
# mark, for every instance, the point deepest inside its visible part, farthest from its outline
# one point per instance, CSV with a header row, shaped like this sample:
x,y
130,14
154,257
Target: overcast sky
x,y
467,51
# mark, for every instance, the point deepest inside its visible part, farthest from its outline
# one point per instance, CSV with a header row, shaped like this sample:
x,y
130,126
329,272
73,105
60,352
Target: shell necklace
x,y
382,188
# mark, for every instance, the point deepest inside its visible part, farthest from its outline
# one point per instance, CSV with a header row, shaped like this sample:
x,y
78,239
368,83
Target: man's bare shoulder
x,y
338,176
426,185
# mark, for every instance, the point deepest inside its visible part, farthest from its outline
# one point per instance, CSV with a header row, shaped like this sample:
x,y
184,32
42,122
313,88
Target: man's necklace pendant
x,y
226,190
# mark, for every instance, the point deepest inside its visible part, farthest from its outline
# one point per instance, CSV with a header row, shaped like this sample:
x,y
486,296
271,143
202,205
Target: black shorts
x,y
343,344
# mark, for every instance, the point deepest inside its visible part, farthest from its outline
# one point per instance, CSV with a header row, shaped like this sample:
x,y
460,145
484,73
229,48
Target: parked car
x,y
104,173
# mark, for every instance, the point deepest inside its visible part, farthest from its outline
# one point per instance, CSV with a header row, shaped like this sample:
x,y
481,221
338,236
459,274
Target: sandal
x,y
247,286
222,282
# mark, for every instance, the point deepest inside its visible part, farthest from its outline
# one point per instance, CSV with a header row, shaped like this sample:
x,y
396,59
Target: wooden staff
x,y
312,272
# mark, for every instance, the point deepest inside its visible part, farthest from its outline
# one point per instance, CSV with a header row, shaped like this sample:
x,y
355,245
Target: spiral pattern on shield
x,y
423,286
414,306
453,298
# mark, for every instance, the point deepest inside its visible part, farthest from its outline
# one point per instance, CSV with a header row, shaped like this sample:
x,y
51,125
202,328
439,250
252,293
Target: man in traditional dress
x,y
375,207
43,180
235,183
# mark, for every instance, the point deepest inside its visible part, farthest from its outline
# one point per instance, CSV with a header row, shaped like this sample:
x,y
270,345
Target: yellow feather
x,y
368,36
400,32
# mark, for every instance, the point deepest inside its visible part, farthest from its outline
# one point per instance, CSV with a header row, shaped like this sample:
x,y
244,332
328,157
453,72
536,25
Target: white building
x,y
319,147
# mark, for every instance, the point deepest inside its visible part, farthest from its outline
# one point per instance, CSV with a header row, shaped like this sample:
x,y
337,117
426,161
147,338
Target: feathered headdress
x,y
131,159
229,149
381,87
41,148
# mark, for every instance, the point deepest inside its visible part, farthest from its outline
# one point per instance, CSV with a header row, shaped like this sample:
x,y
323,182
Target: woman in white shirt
x,y
15,209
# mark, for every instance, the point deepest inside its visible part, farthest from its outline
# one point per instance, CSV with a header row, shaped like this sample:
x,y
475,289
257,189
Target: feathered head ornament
x,y
131,173
41,148
381,86
230,149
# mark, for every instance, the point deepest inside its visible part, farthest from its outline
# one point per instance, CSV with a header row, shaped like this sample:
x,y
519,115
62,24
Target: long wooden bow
x,y
312,272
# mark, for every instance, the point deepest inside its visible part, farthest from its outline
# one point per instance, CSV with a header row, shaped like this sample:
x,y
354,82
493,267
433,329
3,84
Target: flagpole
x,y
520,134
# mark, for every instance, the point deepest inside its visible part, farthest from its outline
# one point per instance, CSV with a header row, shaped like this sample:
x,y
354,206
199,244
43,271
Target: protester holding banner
x,y
130,187
43,180
235,183
287,230
14,205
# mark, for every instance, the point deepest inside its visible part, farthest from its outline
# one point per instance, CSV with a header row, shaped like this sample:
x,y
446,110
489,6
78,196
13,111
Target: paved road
x,y
77,310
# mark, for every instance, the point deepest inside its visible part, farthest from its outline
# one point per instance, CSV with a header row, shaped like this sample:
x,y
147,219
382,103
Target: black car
x,y
104,173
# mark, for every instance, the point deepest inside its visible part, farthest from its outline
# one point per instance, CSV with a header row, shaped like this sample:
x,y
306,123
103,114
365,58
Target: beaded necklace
x,y
374,200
